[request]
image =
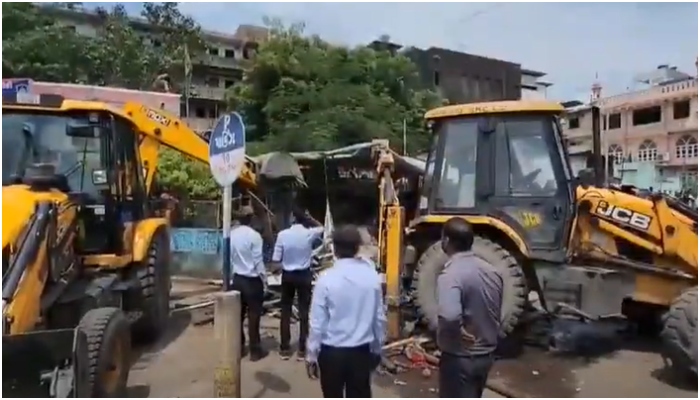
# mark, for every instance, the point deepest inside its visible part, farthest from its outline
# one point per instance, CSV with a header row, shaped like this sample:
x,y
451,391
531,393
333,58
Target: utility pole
x,y
404,127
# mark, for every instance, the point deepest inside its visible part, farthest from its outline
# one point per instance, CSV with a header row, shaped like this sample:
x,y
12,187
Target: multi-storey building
x,y
212,73
651,135
467,78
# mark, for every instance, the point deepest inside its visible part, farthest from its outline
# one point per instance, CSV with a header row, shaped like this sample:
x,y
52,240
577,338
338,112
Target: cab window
x,y
429,174
532,171
30,138
457,179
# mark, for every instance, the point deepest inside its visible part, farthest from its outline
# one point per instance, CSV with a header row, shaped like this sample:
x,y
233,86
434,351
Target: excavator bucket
x,y
52,363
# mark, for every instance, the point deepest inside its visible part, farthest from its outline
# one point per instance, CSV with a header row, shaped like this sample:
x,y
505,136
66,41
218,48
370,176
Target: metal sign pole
x,y
226,228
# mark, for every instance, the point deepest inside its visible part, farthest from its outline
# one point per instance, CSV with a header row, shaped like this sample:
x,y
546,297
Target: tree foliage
x,y
37,46
302,93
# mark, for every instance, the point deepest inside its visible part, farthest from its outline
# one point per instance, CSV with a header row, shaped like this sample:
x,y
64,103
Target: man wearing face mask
x,y
470,291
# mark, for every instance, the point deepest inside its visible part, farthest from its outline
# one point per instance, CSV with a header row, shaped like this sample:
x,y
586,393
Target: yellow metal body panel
x,y
394,260
476,220
494,107
143,235
172,132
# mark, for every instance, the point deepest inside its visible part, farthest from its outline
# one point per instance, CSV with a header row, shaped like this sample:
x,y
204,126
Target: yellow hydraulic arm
x,y
159,127
390,237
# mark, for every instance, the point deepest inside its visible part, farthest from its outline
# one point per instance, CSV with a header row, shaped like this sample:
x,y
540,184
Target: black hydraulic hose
x,y
28,250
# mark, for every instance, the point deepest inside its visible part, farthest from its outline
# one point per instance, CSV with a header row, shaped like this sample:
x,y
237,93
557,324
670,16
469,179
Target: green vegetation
x,y
300,93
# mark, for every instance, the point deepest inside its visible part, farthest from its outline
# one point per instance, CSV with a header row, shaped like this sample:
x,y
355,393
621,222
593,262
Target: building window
x,y
156,43
212,113
689,179
614,121
248,53
229,82
646,116
616,153
213,51
681,109
200,112
647,151
687,147
574,123
228,53
436,78
212,81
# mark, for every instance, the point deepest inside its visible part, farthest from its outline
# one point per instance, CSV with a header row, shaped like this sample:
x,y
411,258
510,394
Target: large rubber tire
x,y
109,351
680,333
433,260
154,277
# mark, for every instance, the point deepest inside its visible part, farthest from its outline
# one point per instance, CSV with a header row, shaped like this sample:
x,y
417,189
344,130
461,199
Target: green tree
x,y
301,93
35,46
119,56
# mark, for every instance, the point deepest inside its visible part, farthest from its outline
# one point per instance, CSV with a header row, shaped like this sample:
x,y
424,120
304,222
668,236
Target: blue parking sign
x,y
227,149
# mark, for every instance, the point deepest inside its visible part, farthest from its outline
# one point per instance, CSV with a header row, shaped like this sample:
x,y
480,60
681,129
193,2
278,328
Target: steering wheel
x,y
529,179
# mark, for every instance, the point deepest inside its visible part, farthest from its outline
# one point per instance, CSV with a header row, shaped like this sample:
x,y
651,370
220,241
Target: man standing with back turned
x,y
348,321
294,250
470,291
248,278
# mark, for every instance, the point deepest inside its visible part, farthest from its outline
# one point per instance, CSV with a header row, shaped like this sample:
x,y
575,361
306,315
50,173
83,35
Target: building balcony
x,y
218,61
208,92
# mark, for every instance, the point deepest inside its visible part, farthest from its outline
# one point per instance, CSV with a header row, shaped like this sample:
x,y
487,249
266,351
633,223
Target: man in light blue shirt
x,y
294,251
348,321
248,278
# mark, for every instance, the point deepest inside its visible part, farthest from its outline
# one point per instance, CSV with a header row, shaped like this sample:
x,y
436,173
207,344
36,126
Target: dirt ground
x,y
182,365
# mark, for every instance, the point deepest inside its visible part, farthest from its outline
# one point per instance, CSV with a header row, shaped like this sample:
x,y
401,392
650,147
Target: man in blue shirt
x,y
294,251
248,278
348,321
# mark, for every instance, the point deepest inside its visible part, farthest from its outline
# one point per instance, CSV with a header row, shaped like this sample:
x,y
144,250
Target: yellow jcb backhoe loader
x,y
503,167
85,261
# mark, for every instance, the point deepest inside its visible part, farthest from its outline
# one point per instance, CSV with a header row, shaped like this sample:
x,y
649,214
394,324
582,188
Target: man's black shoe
x,y
257,355
285,354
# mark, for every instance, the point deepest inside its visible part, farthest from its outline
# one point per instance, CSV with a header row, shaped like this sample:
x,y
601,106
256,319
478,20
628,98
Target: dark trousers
x,y
252,296
464,376
346,371
295,283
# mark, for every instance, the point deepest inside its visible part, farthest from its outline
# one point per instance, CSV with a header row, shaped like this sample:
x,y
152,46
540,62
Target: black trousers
x,y
252,296
346,371
295,283
464,376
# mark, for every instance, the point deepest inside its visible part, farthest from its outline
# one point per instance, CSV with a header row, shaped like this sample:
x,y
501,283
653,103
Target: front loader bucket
x,y
52,363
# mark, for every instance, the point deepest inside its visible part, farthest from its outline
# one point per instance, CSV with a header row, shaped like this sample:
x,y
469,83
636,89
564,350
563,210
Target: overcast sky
x,y
571,42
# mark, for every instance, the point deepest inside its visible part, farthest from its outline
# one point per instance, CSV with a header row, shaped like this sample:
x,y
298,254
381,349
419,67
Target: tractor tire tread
x,y
95,324
679,334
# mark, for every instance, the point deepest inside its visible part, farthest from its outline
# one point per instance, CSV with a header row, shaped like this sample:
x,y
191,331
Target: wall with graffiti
x,y
196,252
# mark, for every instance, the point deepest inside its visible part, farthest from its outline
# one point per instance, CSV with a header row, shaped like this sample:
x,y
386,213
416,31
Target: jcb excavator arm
x,y
391,234
159,127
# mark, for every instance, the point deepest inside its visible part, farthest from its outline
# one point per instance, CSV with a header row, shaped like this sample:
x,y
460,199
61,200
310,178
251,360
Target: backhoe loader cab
x,y
600,250
85,265
503,161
